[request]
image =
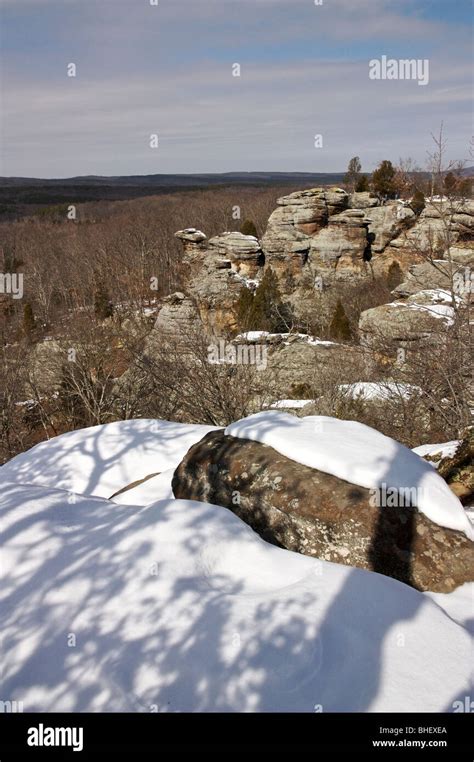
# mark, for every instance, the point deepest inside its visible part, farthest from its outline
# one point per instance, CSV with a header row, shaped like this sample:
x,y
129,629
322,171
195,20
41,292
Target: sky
x,y
167,70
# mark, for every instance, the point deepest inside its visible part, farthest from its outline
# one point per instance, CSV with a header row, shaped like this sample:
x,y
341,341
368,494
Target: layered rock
x,y
438,225
299,216
296,361
386,223
177,317
341,250
311,512
423,317
215,271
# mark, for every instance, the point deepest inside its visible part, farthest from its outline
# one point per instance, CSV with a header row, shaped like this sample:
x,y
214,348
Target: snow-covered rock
x,y
358,454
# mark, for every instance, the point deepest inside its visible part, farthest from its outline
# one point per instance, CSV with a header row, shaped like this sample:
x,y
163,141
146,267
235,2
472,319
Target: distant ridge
x,y
181,180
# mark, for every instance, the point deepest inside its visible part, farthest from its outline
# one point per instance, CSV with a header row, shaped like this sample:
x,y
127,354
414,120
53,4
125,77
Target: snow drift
x,y
179,606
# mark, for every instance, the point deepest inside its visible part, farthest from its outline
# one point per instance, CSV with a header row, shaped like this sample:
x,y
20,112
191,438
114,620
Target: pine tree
x,y
340,329
418,202
264,311
383,179
248,228
394,275
362,185
29,321
267,304
245,310
103,307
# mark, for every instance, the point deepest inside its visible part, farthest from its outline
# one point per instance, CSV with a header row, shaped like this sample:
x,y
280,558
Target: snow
x,y
258,335
459,604
358,454
441,311
293,404
370,390
101,460
438,451
179,606
439,295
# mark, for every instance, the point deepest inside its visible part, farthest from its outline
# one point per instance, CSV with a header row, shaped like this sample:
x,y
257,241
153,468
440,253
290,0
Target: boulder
x,y
424,316
363,200
178,316
317,514
243,252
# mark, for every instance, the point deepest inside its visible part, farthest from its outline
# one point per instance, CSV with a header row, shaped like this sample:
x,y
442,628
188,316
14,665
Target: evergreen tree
x,y
245,310
29,321
394,275
450,183
103,307
340,329
383,179
352,176
268,304
248,228
362,185
264,311
418,202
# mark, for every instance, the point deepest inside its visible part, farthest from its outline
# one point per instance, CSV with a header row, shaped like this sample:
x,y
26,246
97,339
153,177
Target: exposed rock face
x,y
298,217
340,251
243,252
422,317
386,223
295,361
215,271
458,469
363,200
178,316
317,514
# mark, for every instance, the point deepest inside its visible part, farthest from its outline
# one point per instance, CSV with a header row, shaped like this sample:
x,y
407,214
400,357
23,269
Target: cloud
x,y
143,70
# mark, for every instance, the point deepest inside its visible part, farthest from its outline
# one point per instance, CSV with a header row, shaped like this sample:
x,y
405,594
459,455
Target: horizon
x,y
167,70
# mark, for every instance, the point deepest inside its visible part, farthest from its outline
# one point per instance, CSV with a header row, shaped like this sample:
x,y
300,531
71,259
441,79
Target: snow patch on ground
x,y
181,606
266,336
101,460
291,404
370,390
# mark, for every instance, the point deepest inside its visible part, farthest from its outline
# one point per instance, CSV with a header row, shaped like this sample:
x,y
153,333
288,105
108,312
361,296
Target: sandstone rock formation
x,y
296,362
215,271
317,514
424,316
341,250
299,216
322,236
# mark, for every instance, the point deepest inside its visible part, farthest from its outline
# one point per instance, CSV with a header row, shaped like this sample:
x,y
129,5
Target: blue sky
x,y
167,70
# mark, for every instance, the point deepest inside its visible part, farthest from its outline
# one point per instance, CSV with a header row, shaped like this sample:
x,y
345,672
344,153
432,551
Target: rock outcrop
x,y
341,250
319,238
423,316
317,514
296,219
214,272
